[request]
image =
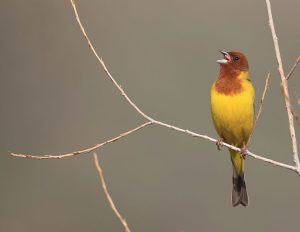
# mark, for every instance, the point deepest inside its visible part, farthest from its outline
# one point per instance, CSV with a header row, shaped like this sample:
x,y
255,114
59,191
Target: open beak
x,y
226,58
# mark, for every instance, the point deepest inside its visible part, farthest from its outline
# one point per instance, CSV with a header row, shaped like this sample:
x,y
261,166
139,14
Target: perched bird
x,y
232,110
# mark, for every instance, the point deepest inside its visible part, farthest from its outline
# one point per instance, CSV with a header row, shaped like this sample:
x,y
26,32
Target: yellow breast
x,y
233,114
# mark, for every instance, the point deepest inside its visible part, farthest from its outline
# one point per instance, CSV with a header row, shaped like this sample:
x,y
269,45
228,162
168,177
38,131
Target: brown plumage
x,y
227,82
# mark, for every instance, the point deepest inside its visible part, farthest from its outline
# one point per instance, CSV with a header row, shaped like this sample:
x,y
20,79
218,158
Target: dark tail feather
x,y
239,191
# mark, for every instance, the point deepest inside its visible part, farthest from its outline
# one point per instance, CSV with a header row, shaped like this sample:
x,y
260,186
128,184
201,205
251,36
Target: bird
x,y
232,111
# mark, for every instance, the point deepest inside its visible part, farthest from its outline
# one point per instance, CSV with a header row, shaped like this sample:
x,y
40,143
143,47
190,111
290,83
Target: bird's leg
x,y
219,143
244,151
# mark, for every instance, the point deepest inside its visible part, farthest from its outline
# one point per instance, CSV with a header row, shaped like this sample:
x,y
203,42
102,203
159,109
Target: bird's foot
x,y
244,152
219,143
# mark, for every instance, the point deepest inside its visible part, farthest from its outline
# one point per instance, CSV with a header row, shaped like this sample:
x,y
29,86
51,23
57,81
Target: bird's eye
x,y
236,58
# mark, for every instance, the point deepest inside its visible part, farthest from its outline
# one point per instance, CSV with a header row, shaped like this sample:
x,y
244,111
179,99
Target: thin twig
x,y
106,192
285,89
296,117
293,68
85,151
104,66
260,108
262,100
298,99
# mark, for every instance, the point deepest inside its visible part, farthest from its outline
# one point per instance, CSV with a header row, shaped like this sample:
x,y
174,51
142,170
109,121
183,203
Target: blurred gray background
x,y
55,99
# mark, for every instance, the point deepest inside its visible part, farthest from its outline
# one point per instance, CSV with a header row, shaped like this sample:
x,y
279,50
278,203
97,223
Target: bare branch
x,y
260,108
293,68
106,192
285,89
259,157
104,66
85,151
149,119
185,131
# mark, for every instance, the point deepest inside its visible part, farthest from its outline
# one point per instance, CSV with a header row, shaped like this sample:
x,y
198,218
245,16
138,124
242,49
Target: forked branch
x,y
151,121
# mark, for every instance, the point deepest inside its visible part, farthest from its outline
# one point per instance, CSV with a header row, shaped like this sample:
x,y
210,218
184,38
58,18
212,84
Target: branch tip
x,y
107,194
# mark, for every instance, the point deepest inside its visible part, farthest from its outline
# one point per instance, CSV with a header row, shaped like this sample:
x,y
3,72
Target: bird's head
x,y
233,63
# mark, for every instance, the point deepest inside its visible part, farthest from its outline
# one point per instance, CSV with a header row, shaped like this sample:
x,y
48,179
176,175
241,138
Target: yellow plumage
x,y
233,117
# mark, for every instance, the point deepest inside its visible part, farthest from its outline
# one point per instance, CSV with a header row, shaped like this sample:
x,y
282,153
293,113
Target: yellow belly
x,y
233,114
233,119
